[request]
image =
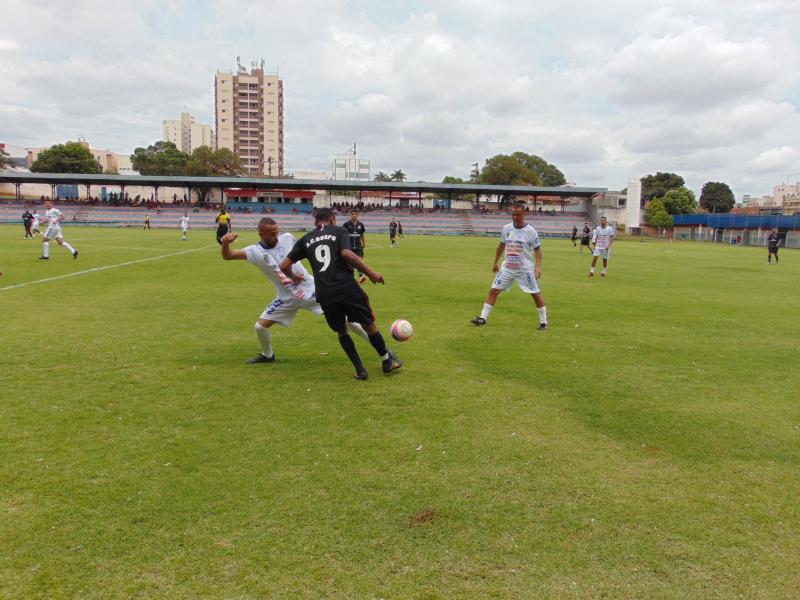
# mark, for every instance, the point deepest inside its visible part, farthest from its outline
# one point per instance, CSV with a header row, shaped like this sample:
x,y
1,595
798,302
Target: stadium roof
x,y
297,184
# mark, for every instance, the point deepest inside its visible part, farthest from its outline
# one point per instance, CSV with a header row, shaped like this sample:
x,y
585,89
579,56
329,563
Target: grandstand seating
x,y
443,222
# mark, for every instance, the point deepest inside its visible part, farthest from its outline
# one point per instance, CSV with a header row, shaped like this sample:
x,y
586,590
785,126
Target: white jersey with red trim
x,y
603,236
269,260
520,245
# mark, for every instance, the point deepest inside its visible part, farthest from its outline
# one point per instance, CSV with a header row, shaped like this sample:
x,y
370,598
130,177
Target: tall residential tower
x,y
249,118
186,134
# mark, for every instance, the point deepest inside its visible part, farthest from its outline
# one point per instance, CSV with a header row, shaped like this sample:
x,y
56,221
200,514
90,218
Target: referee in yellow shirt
x,y
223,222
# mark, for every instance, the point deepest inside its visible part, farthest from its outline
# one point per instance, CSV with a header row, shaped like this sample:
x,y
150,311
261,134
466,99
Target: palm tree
x,y
381,176
398,176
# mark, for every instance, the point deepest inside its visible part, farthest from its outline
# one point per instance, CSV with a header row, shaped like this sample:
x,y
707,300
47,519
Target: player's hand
x,y
495,268
537,272
229,238
298,278
375,277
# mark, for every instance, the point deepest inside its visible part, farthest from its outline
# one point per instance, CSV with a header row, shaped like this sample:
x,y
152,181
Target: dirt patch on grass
x,y
421,518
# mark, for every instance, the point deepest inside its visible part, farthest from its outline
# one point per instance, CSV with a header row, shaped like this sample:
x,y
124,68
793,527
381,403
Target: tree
x,y
5,160
549,174
70,157
205,162
680,202
656,215
398,176
655,186
451,179
716,197
161,158
381,176
507,170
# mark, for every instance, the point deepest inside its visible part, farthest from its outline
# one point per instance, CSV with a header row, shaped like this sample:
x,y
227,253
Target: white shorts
x,y
505,280
602,252
53,232
283,311
184,230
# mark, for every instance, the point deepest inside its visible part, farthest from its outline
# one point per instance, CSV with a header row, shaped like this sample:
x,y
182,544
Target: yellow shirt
x,y
223,219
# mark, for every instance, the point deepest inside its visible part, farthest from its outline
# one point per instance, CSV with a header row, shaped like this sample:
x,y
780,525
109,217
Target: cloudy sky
x,y
708,89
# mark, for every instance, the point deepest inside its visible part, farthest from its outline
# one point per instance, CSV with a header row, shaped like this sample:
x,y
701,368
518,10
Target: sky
x,y
607,92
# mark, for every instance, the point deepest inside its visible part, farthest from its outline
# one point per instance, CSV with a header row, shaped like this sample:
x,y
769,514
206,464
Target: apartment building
x,y
187,134
249,118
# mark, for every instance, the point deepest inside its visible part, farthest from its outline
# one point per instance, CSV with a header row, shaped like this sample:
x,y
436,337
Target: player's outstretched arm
x,y
229,253
355,260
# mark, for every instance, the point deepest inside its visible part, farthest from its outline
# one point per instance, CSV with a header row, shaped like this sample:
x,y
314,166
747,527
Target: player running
x,y
586,238
393,233
523,264
327,249
184,223
36,220
27,222
356,229
292,296
602,238
223,222
773,243
574,236
53,217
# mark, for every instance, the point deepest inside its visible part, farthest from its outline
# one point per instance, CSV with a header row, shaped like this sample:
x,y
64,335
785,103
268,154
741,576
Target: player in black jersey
x,y
356,229
27,221
773,242
327,249
393,233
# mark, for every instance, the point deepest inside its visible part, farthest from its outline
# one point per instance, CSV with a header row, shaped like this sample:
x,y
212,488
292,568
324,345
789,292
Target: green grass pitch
x,y
646,446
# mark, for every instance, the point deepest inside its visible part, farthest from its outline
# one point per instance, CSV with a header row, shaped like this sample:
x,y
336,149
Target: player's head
x,y
603,221
48,204
324,216
222,210
354,215
268,231
518,214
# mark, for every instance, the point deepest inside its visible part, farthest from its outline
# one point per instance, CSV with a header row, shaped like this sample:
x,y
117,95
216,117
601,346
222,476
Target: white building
x,y
348,167
188,135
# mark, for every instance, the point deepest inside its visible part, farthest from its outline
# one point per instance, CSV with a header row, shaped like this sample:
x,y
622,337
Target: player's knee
x,y
263,324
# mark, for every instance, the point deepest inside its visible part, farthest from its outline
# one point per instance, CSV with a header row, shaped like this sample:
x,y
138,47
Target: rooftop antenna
x,y
239,64
262,64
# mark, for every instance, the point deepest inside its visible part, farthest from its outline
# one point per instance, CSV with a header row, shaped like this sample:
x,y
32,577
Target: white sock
x,y
68,247
542,314
45,249
487,310
358,330
265,339
591,270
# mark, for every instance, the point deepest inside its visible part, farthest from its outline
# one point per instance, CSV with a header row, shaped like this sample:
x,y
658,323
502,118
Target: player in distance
x,y
523,264
327,249
53,218
602,238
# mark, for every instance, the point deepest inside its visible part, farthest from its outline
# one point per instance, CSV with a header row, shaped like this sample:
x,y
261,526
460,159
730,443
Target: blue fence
x,y
729,221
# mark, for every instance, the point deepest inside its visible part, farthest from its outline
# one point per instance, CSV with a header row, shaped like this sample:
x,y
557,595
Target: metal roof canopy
x,y
296,184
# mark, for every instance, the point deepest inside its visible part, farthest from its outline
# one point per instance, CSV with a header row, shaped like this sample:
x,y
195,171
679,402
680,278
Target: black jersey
x,y
773,240
392,228
27,217
356,230
333,275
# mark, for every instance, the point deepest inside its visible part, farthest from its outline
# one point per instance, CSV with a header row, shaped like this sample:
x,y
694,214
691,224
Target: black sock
x,y
350,348
376,339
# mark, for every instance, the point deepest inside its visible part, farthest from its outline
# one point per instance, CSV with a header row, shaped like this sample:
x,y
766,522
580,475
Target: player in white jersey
x,y
291,297
523,264
184,223
53,217
602,238
36,221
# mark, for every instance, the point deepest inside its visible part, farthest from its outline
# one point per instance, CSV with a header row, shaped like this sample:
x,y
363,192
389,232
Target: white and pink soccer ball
x,y
401,330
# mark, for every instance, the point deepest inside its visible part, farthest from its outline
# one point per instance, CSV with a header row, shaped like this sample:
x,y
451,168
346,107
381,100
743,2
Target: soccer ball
x,y
401,330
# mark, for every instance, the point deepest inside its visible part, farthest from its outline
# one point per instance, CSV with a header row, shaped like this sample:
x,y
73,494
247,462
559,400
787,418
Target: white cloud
x,y
775,160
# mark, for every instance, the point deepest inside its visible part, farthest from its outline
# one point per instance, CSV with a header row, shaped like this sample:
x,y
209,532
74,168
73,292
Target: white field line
x,y
94,270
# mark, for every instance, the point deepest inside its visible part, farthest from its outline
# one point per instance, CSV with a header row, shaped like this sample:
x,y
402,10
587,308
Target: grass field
x,y
646,446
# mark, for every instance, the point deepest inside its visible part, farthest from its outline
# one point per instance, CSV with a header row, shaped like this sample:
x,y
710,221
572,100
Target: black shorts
x,y
584,241
773,249
221,230
355,308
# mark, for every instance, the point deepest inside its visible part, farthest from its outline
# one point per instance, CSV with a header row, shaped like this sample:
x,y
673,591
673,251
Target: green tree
x,y
549,174
451,179
655,186
716,197
680,201
70,157
507,170
205,162
381,176
398,175
5,159
656,215
161,158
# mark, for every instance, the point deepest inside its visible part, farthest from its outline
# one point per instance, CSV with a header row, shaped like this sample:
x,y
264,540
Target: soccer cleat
x,y
542,327
44,258
478,321
361,376
260,358
75,256
391,363
591,273
602,274
362,279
